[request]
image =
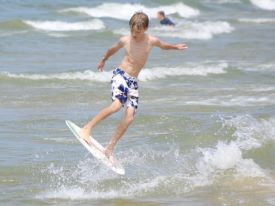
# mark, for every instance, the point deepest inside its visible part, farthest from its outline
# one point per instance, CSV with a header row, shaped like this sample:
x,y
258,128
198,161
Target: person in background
x,y
163,19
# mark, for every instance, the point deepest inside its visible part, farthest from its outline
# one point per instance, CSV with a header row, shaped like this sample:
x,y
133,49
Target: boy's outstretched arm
x,y
113,49
167,46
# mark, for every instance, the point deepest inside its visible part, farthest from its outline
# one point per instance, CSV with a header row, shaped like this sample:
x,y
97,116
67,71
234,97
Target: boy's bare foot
x,y
85,135
109,154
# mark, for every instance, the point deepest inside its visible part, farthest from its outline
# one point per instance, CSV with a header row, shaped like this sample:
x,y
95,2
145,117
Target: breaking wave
x,y
189,30
145,75
125,11
95,24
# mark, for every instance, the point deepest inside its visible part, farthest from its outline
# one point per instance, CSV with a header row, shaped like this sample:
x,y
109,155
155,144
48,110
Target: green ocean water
x,y
205,128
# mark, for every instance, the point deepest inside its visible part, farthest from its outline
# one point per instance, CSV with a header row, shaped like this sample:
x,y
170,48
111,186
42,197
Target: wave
x,y
225,161
197,30
227,157
157,73
189,30
266,67
95,24
241,101
15,24
145,74
223,157
12,27
264,4
125,11
250,133
90,172
85,75
175,173
258,21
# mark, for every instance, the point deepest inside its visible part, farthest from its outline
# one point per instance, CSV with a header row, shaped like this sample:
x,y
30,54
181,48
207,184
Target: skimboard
x,y
95,148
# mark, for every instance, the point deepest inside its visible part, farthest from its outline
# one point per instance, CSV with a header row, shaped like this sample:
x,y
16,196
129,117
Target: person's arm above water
x,y
163,45
112,50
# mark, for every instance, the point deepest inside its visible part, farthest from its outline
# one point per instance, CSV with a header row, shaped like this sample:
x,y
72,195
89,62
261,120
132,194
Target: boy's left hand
x,y
181,46
100,66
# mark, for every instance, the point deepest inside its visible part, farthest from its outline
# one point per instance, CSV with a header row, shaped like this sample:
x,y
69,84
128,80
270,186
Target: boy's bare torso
x,y
136,53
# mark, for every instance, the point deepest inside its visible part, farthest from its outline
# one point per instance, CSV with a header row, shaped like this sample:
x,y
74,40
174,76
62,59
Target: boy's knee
x,y
129,117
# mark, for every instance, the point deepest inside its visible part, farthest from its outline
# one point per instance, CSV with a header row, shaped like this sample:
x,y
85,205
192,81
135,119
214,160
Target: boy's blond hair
x,y
140,20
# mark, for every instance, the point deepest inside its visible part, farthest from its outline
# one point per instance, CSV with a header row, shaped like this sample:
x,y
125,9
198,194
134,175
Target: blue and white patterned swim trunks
x,y
124,88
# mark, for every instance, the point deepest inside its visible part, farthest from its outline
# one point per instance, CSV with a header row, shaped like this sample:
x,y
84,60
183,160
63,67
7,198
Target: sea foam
x,y
234,100
203,70
226,157
188,30
126,10
145,75
95,24
85,75
250,132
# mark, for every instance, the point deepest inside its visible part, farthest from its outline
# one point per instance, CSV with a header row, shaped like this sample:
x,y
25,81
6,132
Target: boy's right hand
x,y
100,65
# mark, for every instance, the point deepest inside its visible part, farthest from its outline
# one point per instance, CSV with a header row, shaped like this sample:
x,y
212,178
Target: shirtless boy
x,y
137,46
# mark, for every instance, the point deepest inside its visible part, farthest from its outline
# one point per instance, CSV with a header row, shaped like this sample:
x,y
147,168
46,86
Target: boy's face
x,y
137,32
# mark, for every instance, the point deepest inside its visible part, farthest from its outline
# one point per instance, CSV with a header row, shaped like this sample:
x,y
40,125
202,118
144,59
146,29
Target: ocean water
x,y
204,134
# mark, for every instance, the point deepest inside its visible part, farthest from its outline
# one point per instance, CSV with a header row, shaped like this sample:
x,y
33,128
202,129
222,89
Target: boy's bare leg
x,y
121,128
86,130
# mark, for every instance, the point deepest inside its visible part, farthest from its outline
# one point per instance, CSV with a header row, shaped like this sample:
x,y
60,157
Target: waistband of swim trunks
x,y
120,71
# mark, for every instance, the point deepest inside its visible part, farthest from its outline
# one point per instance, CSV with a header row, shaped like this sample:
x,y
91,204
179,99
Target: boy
x,y
163,19
124,82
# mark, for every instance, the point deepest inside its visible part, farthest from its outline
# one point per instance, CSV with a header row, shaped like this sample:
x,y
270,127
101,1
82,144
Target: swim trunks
x,y
125,88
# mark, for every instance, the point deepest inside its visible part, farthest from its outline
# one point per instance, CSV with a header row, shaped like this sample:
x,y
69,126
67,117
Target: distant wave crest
x,y
145,75
127,10
85,75
95,24
189,30
204,70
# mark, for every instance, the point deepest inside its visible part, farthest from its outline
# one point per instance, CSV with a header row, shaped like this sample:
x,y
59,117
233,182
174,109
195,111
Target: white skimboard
x,y
95,148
